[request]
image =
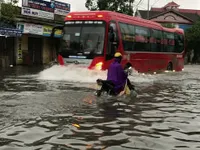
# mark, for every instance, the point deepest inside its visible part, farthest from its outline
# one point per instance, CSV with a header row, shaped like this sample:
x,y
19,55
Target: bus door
x,y
113,40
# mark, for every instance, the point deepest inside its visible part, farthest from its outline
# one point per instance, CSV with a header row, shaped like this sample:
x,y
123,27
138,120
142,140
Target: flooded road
x,y
55,110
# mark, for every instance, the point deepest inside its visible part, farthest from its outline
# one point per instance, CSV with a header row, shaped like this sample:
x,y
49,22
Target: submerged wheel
x,y
170,66
127,66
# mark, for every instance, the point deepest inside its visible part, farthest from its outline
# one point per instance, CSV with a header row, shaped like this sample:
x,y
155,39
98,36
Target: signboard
x,y
43,30
31,28
19,49
39,4
44,9
61,12
37,13
184,26
61,8
48,29
10,32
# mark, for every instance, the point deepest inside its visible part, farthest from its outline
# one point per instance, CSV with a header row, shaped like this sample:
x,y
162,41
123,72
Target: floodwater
x,y
54,109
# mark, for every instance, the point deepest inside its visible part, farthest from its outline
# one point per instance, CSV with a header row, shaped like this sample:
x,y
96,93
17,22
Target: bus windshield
x,y
85,37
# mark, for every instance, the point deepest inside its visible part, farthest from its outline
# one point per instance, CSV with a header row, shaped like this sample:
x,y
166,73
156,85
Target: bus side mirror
x,y
52,34
111,37
111,34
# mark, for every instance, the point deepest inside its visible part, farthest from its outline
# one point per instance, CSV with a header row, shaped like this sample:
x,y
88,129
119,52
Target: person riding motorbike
x,y
117,78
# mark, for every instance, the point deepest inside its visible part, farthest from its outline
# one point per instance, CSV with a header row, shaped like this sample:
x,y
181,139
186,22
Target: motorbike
x,y
105,90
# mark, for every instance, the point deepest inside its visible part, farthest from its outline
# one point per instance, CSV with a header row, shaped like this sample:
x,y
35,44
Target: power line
x,y
141,7
155,3
136,7
137,4
148,10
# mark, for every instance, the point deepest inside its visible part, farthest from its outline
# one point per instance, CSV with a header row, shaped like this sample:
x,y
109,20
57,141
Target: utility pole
x,y
148,9
0,8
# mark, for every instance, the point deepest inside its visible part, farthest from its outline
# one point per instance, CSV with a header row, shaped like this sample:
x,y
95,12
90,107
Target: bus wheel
x,y
170,66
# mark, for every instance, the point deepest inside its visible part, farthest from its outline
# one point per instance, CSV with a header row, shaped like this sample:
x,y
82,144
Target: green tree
x,y
168,25
122,6
9,11
193,37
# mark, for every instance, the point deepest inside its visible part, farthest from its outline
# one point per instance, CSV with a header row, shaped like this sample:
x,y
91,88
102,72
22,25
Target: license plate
x,y
98,87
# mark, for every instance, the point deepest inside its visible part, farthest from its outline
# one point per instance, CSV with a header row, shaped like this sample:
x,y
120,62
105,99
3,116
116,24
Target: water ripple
x,y
44,115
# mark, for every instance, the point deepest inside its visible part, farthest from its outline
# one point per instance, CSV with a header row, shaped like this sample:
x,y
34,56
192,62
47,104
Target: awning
x,y
10,32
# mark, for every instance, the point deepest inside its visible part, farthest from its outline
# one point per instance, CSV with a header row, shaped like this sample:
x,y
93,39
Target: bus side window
x,y
142,36
128,36
113,42
179,43
169,42
156,40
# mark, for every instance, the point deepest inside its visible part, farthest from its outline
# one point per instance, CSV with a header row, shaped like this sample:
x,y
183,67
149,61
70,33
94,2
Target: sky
x,y
79,5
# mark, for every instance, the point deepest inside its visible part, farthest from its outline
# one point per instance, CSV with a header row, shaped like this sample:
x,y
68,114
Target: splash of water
x,y
71,74
77,74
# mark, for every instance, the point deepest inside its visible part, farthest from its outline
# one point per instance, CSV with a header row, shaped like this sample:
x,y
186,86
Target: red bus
x,y
91,38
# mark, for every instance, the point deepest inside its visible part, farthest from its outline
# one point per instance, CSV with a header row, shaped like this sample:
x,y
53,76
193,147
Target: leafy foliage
x,y
193,36
9,10
122,6
168,25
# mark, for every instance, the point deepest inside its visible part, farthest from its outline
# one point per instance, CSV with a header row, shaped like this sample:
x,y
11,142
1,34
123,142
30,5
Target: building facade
x,y
8,34
172,14
35,46
32,43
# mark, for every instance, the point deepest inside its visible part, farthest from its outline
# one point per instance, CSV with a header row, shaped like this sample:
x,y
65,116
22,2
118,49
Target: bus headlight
x,y
99,65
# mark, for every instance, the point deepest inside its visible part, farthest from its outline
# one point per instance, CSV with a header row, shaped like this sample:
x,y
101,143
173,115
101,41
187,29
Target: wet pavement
x,y
39,114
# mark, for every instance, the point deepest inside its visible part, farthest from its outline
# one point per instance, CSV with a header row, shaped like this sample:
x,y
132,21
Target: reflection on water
x,y
165,115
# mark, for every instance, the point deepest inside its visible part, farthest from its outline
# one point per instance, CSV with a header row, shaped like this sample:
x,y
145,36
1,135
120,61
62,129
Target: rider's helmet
x,y
118,56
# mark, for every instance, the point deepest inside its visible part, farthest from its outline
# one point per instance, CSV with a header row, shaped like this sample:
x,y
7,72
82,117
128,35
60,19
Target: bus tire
x,y
170,66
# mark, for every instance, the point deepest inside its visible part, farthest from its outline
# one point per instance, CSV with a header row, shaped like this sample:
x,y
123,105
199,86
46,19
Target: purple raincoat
x,y
117,75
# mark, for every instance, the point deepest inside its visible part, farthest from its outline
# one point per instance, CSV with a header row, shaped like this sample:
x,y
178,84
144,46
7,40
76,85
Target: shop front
x,y
36,45
7,46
